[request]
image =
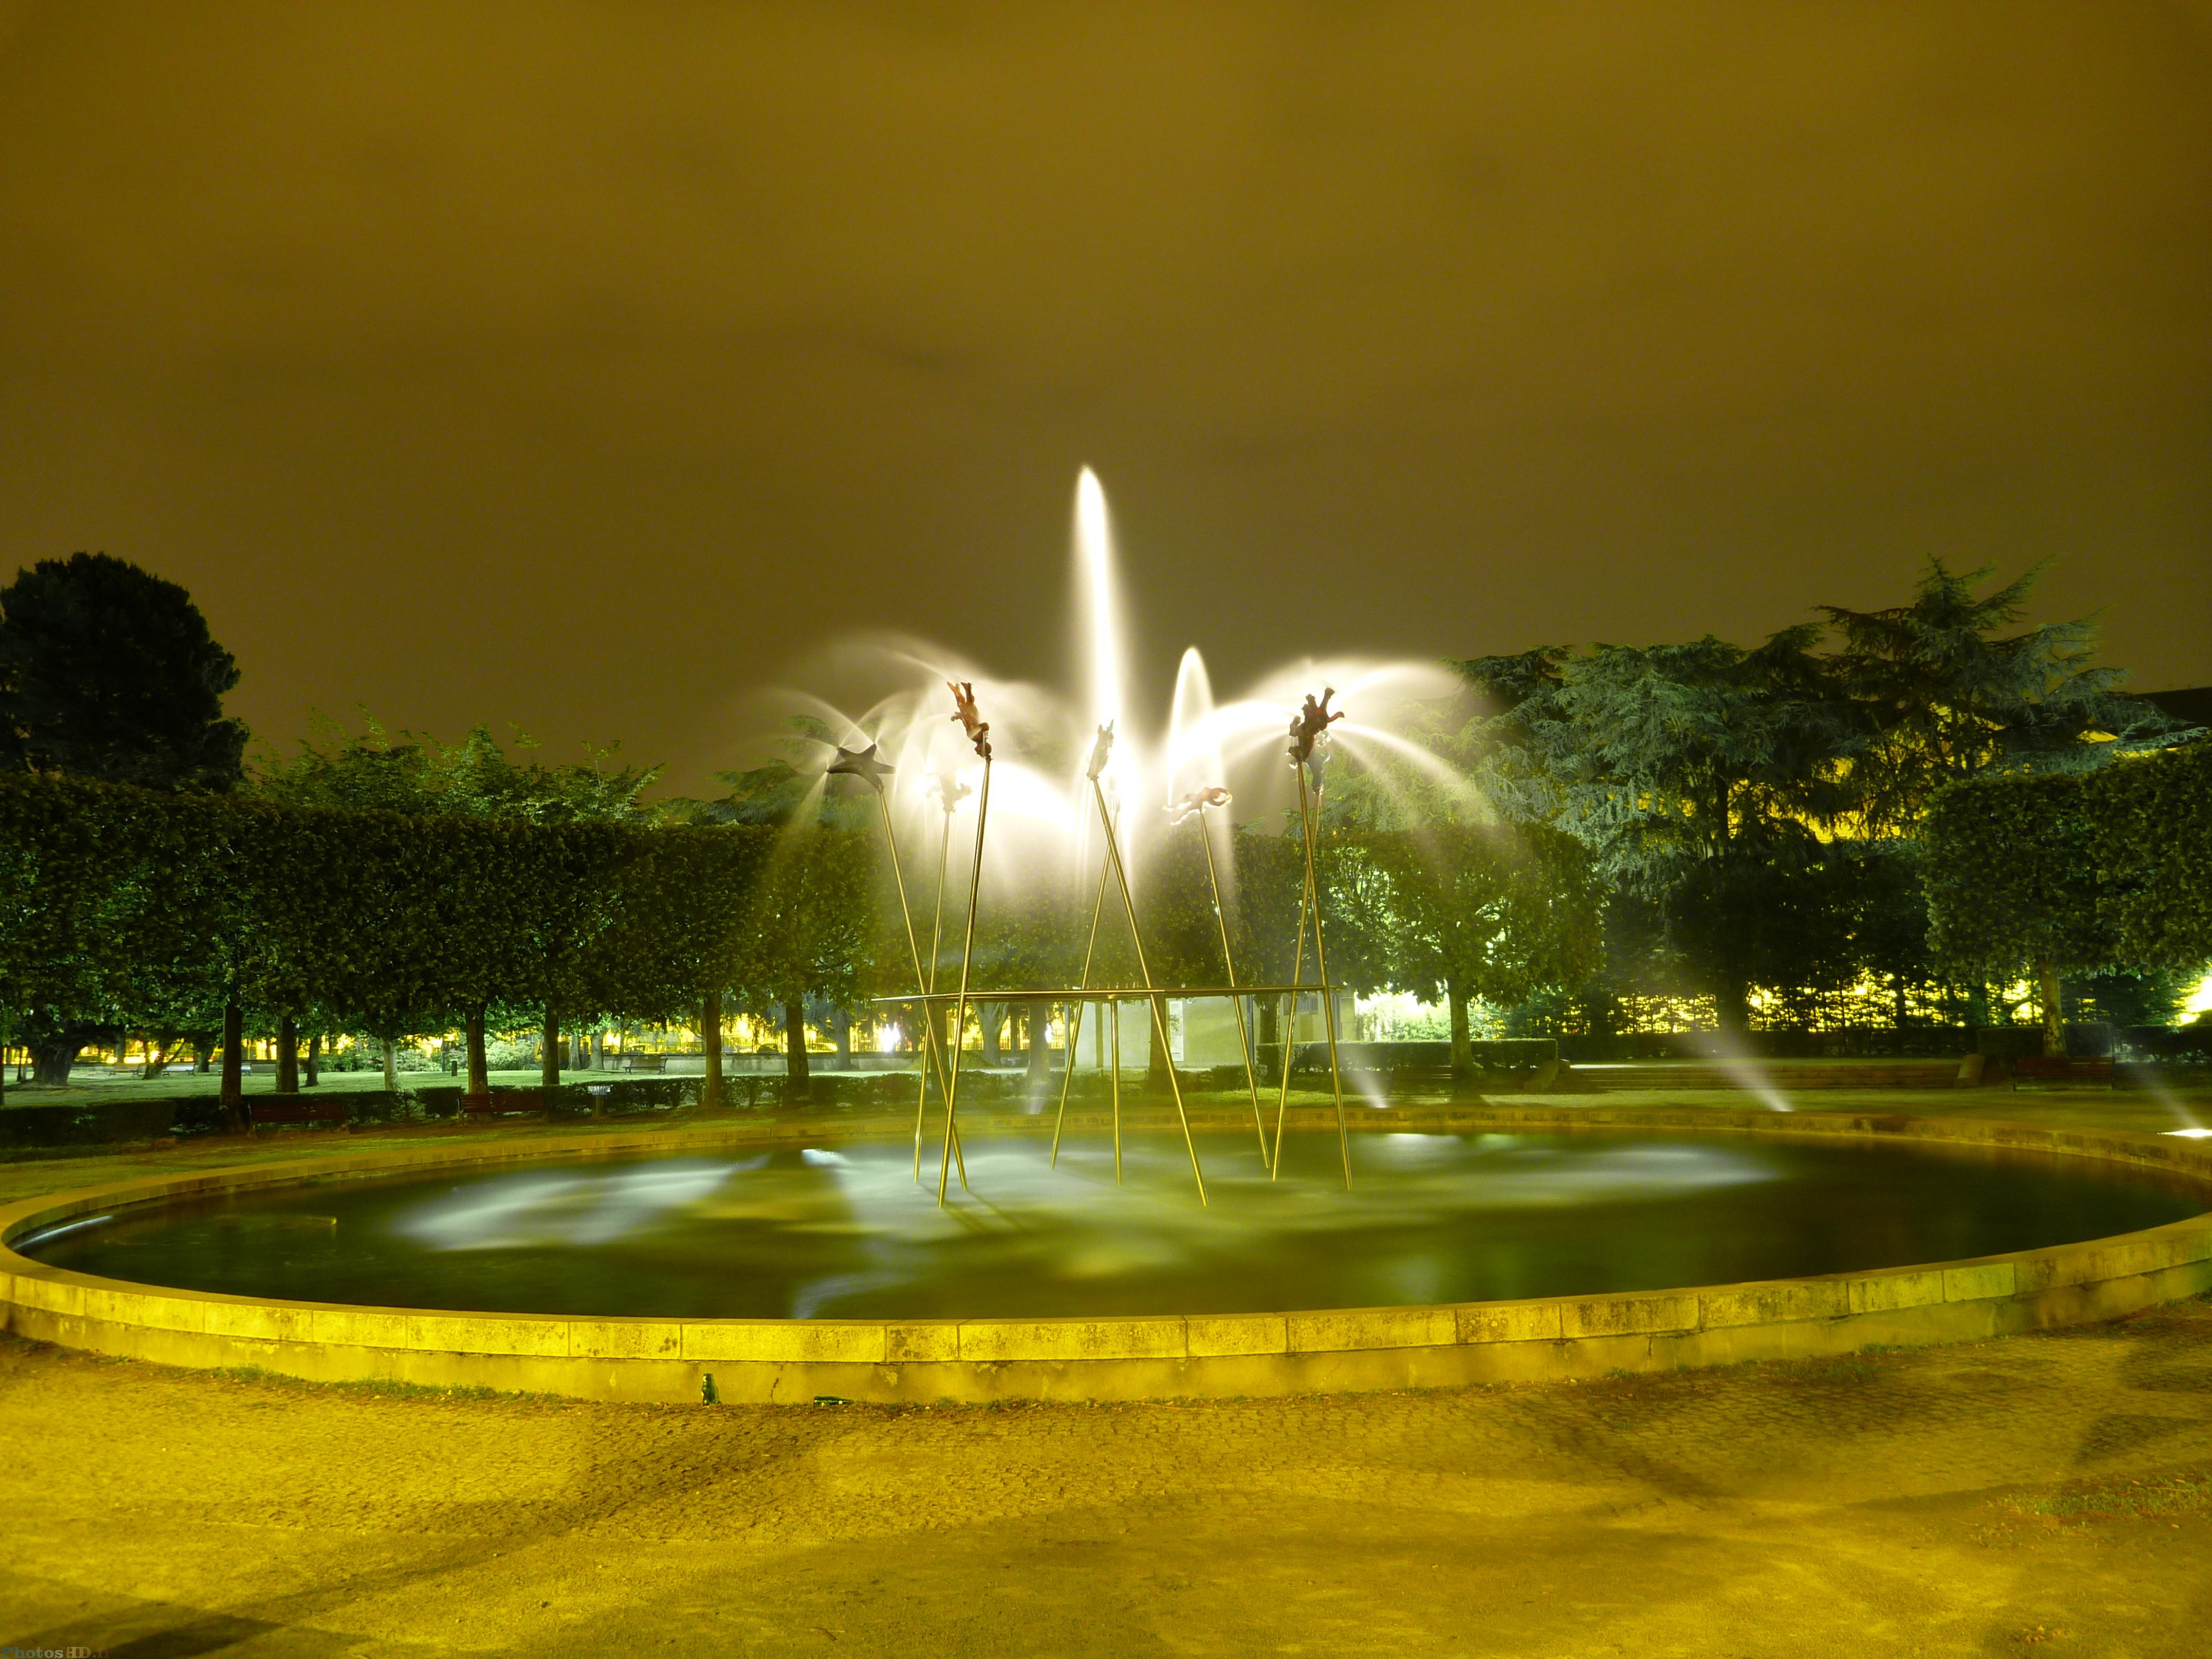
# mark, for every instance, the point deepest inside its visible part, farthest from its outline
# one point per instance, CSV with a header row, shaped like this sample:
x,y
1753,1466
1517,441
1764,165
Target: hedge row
x,y
2079,870
138,907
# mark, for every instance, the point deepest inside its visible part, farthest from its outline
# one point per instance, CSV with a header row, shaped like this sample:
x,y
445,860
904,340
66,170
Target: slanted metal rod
x,y
960,1008
1236,1002
1075,1020
1158,1002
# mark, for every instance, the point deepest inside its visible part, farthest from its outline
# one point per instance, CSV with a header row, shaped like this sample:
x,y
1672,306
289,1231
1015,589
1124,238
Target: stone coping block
x,y
1291,1350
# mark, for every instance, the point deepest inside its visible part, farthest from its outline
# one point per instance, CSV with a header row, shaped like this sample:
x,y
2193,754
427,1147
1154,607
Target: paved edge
x,y
1164,1357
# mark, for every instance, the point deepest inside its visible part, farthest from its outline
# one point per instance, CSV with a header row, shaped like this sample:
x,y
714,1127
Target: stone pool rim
x,y
1145,1357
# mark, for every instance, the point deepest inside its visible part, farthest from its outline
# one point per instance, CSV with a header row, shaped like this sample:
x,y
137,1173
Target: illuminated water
x,y
844,1233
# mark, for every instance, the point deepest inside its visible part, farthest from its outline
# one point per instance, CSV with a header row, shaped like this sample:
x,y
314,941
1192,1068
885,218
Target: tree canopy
x,y
108,672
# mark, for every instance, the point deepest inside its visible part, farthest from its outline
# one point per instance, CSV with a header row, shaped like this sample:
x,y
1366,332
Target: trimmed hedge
x,y
131,906
2153,817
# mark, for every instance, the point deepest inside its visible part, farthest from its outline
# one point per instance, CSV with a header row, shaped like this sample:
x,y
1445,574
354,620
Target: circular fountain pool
x,y
841,1231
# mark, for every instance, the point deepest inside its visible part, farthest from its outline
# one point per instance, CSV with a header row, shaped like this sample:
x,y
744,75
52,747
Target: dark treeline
x,y
1924,804
1756,815
204,916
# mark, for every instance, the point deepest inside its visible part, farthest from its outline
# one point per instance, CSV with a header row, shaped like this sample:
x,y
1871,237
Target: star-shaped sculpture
x,y
860,763
1197,801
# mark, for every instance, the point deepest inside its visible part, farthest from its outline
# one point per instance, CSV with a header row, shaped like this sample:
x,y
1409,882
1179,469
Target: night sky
x,y
585,366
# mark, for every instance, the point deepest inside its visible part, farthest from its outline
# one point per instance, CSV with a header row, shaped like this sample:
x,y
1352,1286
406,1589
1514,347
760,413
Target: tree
x,y
1494,914
2152,820
415,774
2010,866
1691,773
807,931
1946,694
108,672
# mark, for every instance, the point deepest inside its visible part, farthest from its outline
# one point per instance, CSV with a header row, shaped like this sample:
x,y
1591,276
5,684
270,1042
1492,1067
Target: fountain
x,y
1200,738
787,1260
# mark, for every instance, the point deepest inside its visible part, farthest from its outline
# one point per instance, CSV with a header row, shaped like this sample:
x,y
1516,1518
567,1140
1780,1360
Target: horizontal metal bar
x,y
1105,994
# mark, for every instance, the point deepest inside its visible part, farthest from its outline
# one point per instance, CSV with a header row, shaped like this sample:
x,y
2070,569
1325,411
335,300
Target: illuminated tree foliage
x,y
1694,773
2152,821
1496,913
1753,814
1945,694
118,901
2010,871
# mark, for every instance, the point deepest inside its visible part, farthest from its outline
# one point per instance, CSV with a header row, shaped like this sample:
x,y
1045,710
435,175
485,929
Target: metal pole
x,y
1075,1020
1159,1021
1290,1025
930,1010
1113,1023
914,948
1236,1002
960,1007
1321,962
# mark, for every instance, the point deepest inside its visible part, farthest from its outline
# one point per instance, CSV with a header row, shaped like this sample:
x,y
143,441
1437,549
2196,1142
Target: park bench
x,y
265,1113
503,1102
2059,1072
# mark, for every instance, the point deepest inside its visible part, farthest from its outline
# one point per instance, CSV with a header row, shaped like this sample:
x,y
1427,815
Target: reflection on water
x,y
521,1210
846,1233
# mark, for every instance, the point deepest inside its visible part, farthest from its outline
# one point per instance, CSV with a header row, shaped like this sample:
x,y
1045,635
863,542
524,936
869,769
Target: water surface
x,y
843,1232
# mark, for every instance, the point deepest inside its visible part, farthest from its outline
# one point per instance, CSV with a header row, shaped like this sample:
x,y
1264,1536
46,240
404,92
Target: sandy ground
x,y
1967,1500
2048,1493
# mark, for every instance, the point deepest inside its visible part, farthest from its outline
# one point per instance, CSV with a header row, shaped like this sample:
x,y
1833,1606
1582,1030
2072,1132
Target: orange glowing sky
x,y
583,365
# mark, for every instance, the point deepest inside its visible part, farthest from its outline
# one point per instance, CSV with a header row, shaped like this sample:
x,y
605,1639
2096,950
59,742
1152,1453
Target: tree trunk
x,y
1732,1005
231,1092
479,1073
2046,986
840,1028
599,1049
390,1065
200,1045
314,1064
796,1076
287,1056
710,1035
50,1061
1462,1037
987,1017
548,1053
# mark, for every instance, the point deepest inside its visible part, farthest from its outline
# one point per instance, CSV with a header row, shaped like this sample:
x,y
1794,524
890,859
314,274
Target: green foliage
x,y
2110,868
415,774
810,924
2009,869
108,672
1946,694
1753,808
1490,912
1661,757
2153,818
1697,776
123,904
